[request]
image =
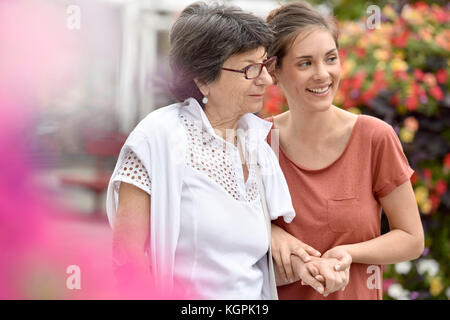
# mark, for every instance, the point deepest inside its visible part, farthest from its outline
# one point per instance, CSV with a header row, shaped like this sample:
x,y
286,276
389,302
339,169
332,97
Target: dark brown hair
x,y
289,20
203,37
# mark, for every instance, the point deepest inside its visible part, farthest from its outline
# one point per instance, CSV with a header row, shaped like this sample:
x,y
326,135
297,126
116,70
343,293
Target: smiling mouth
x,y
321,90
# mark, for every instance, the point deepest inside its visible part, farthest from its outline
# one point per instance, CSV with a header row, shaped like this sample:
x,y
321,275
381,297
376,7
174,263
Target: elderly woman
x,y
341,169
184,201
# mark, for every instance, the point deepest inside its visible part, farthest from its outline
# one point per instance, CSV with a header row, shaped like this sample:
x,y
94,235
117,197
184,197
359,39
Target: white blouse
x,y
223,240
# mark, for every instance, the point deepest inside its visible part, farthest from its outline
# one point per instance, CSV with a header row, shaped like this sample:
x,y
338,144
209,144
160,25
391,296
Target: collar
x,y
253,126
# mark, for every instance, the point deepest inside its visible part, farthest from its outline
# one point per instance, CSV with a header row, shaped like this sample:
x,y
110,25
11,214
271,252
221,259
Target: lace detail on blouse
x,y
133,171
209,155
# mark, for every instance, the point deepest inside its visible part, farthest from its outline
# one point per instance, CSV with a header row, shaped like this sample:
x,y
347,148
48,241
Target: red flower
x,y
440,15
401,75
441,76
359,80
400,40
435,201
411,103
349,103
441,187
379,75
447,160
420,5
360,52
427,174
342,54
395,100
437,93
418,74
414,178
387,283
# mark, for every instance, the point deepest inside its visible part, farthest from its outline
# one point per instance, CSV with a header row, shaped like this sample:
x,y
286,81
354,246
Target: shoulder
x,y
160,119
375,129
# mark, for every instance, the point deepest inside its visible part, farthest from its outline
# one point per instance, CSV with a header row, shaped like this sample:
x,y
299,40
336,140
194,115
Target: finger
x,y
344,263
315,273
311,281
320,278
303,255
344,277
287,265
312,251
330,281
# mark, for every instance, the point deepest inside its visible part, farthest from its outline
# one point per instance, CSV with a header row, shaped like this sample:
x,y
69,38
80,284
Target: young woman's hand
x,y
333,280
285,246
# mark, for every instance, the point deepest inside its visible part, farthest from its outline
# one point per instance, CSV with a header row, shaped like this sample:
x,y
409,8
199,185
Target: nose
x,y
264,78
321,72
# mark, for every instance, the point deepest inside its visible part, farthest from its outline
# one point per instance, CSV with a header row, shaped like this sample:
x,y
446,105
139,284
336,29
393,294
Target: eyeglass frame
x,y
262,64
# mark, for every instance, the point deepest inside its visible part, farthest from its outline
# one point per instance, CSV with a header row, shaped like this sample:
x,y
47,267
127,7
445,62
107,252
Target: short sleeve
x,y
133,171
390,167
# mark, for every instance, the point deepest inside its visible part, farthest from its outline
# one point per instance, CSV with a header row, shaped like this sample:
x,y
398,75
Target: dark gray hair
x,y
203,37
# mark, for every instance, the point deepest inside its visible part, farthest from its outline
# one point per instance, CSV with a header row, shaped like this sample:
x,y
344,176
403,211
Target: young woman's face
x,y
310,71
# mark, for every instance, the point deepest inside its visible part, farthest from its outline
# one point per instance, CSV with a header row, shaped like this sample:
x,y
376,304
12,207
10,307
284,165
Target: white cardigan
x,y
159,141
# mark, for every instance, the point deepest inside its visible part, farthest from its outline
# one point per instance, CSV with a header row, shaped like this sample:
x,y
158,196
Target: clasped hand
x,y
296,261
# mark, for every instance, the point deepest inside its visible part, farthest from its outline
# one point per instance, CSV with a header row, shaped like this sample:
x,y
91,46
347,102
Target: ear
x,y
202,86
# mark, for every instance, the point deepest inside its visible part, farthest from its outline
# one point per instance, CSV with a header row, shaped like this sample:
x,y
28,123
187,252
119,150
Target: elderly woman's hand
x,y
283,246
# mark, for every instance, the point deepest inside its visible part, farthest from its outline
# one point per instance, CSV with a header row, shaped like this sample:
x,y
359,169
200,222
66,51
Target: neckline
x,y
352,134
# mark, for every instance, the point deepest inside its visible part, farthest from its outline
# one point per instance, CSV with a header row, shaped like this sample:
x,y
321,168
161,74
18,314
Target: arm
x,y
283,246
130,234
404,242
307,273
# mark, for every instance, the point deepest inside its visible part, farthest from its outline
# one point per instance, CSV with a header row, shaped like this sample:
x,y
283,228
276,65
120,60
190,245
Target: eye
x,y
304,64
332,58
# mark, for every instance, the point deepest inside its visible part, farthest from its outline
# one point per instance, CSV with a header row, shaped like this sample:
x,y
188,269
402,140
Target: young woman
x,y
341,169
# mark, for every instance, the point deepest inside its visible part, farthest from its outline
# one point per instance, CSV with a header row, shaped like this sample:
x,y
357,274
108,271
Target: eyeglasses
x,y
253,71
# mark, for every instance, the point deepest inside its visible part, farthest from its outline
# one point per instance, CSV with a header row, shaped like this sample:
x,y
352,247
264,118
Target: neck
x,y
224,125
313,125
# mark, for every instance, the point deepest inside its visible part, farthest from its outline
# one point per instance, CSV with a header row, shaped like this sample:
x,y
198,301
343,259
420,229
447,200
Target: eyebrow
x,y
253,61
328,52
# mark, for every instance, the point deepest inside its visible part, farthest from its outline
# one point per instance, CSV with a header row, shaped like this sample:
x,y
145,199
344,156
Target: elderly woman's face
x,y
232,92
310,71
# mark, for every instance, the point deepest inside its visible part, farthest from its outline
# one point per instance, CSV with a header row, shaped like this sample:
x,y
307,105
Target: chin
x,y
254,107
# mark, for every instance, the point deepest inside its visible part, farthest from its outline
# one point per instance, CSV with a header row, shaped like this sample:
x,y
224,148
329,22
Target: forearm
x,y
129,254
392,247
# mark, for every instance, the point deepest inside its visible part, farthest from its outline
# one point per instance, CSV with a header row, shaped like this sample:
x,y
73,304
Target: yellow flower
x,y
399,65
426,206
381,54
412,16
406,135
401,109
399,55
347,67
389,12
436,286
421,194
363,41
